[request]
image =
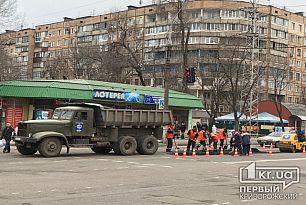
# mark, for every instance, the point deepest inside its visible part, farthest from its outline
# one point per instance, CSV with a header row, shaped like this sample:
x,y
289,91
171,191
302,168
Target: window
x,y
221,108
37,37
80,116
66,42
66,31
59,43
290,75
136,81
25,39
298,64
52,44
59,32
24,49
293,26
44,44
304,77
297,76
289,99
300,28
299,52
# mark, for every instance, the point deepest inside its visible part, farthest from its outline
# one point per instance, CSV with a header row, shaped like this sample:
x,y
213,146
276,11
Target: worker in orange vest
x,y
214,140
222,135
192,138
202,139
169,137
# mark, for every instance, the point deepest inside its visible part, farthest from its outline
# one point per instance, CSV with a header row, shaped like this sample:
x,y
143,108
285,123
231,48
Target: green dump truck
x,y
91,125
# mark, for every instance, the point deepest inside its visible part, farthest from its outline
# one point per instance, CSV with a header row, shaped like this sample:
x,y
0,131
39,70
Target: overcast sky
x,y
47,11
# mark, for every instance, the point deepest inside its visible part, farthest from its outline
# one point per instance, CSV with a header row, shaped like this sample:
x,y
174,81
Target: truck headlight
x,y
30,135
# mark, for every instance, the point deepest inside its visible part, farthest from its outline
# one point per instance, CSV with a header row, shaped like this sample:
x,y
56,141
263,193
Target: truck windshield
x,y
62,115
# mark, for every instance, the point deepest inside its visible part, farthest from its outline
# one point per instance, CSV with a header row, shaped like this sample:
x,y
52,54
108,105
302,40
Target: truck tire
x,y
50,147
282,150
101,150
147,145
25,151
293,149
125,145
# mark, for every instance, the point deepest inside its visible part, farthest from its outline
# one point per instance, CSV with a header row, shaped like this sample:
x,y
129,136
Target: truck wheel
x,y
50,147
26,151
276,144
282,150
101,150
293,149
125,145
147,145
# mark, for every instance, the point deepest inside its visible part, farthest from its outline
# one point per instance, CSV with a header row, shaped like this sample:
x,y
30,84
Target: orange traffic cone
x,y
270,150
250,153
176,153
207,152
221,152
264,147
304,151
194,153
236,152
212,146
184,153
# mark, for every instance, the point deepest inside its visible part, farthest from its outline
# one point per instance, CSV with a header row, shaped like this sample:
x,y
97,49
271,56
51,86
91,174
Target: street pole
x,y
166,78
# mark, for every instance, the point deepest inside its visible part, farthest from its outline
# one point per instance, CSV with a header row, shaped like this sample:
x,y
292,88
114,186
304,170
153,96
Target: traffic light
x,y
190,75
187,74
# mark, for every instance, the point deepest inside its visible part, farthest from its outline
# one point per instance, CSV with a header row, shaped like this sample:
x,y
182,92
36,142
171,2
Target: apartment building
x,y
282,36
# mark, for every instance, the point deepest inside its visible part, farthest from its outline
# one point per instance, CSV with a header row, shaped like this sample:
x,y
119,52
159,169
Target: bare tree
x,y
279,82
8,16
233,66
127,40
213,91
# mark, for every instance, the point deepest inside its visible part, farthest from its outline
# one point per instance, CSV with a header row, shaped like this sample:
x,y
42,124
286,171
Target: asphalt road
x,y
83,177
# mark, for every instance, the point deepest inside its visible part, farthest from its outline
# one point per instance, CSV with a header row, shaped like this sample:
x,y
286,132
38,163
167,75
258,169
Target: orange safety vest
x,y
214,137
221,135
169,133
192,135
201,136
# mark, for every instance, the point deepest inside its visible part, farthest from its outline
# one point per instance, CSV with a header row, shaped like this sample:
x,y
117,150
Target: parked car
x,y
273,138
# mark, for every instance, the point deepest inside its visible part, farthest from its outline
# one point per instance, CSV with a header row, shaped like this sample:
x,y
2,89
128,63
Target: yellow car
x,y
290,142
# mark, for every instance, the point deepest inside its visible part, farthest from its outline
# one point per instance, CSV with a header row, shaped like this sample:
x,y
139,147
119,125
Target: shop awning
x,y
263,117
83,90
230,117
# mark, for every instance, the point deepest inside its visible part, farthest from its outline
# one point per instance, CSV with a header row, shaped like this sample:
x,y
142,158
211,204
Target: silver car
x,y
273,138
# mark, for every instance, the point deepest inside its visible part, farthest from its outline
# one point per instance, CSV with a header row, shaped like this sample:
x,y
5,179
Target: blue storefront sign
x,y
115,95
151,100
161,104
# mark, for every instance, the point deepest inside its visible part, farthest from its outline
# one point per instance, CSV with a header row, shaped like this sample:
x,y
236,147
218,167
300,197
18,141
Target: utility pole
x,y
167,75
252,69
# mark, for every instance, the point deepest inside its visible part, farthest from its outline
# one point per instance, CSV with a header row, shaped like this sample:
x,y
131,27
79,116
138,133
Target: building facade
x,y
281,33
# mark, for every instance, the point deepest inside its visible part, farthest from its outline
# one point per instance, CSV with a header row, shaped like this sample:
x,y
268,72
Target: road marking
x,y
217,177
15,193
117,161
226,203
122,167
149,164
166,157
53,190
89,187
96,169
133,163
103,159
38,191
120,184
60,161
166,167
265,160
142,166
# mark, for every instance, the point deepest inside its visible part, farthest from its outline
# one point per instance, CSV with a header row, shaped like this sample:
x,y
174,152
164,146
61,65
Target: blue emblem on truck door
x,y
286,137
79,126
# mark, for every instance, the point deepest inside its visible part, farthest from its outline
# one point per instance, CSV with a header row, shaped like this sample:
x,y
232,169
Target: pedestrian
x,y
176,130
202,139
222,135
246,142
214,140
237,142
169,137
183,130
7,133
192,136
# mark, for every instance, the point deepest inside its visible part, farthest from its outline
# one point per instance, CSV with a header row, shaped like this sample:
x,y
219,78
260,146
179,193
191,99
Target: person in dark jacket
x,y
183,129
237,142
7,133
246,142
